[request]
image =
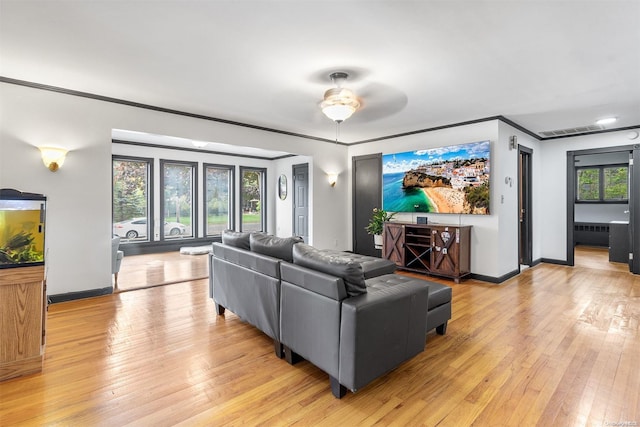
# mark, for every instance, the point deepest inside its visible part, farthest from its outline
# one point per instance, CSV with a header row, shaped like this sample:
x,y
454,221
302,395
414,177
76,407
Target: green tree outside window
x,y
603,183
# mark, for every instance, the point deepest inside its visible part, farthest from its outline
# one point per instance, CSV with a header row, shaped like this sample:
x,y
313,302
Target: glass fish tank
x,y
22,221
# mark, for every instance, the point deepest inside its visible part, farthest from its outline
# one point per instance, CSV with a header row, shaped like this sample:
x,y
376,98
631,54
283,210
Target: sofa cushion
x,y
385,281
438,294
341,266
371,266
236,238
277,247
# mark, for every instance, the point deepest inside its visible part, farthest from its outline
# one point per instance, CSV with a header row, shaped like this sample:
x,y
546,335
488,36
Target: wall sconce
x,y
513,142
53,158
332,178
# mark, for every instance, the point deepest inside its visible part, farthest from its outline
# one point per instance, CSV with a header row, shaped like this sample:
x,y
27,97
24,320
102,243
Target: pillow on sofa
x,y
347,269
277,247
236,238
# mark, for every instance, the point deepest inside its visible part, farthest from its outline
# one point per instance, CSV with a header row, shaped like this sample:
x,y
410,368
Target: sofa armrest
x,y
380,330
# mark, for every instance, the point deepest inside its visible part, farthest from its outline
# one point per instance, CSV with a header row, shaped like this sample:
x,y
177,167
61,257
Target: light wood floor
x,y
143,271
598,258
555,346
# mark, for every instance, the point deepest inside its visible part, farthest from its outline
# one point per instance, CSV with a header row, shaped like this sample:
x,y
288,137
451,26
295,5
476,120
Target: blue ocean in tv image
x,y
398,199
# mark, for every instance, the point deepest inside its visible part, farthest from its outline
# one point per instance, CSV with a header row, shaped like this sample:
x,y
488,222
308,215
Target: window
x,y
218,204
252,199
616,183
131,198
603,184
178,190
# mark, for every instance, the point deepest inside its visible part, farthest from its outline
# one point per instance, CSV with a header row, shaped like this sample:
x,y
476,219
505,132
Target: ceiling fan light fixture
x,y
339,103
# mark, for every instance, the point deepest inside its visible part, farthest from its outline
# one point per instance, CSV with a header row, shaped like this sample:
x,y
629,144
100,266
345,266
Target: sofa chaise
x,y
354,329
266,280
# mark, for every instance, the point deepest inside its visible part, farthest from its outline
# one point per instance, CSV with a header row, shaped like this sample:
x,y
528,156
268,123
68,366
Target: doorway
x,y
579,225
524,206
301,201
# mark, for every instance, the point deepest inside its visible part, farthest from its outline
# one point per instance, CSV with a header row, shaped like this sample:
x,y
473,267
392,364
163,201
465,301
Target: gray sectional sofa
x,y
348,314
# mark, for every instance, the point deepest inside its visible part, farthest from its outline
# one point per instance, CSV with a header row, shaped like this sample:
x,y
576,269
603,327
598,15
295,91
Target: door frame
x,y
634,201
525,198
634,212
295,196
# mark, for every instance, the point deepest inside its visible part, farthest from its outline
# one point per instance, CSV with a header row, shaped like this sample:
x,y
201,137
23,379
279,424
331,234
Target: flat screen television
x,y
452,179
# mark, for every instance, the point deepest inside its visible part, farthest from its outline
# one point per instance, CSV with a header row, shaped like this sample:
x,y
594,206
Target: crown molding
x,y
103,98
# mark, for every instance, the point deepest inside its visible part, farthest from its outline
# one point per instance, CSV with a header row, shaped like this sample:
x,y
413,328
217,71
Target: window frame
x,y
150,193
194,198
601,183
263,195
232,196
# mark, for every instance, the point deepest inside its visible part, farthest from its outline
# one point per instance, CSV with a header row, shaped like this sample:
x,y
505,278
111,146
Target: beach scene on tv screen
x,y
451,179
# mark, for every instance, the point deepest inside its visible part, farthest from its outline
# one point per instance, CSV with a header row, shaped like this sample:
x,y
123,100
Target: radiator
x,y
591,233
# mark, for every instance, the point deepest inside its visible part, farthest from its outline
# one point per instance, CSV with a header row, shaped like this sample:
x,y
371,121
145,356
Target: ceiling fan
x,y
368,100
339,102
372,102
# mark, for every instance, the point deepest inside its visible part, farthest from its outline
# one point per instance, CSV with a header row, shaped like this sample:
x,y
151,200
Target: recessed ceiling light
x,y
199,144
606,121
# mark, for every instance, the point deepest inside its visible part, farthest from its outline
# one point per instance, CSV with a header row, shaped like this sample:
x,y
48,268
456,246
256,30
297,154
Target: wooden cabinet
x,y
22,321
438,249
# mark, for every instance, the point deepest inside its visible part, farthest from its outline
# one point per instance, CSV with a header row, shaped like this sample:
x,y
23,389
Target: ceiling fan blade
x,y
379,101
300,106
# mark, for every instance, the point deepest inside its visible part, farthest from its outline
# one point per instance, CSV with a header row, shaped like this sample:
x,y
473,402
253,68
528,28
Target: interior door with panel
x,y
301,201
367,194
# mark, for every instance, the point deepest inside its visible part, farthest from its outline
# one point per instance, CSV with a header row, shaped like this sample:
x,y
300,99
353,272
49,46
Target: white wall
x,y
486,257
494,237
538,204
509,216
504,167
601,213
553,184
79,195
284,208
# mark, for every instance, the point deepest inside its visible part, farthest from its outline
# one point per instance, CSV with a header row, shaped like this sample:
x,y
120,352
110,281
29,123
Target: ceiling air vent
x,y
571,131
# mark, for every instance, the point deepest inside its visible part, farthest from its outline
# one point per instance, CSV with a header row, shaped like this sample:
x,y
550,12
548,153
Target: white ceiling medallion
x,y
339,102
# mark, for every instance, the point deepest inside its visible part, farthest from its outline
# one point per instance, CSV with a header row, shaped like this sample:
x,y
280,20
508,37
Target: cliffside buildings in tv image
x,y
452,179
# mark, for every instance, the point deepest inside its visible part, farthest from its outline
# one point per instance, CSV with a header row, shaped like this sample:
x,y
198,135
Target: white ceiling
x,y
545,65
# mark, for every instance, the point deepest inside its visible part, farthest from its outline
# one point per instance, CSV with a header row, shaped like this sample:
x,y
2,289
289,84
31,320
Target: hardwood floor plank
x,y
552,346
142,271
